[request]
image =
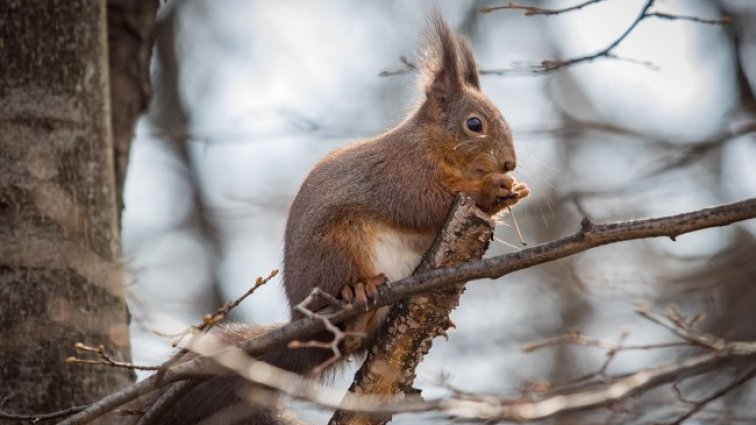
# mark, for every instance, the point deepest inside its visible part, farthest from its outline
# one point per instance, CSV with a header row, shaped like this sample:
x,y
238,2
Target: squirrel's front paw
x,y
499,191
362,291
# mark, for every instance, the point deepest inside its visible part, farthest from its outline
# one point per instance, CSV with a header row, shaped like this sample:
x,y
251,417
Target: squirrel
x,y
367,212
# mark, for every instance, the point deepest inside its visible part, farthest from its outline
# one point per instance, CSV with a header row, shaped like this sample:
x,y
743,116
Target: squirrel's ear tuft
x,y
469,68
441,68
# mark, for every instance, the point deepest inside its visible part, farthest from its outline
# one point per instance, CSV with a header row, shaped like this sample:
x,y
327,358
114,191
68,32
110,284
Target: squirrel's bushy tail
x,y
230,399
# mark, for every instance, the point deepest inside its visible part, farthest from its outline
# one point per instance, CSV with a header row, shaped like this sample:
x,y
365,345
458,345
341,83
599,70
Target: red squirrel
x,y
367,212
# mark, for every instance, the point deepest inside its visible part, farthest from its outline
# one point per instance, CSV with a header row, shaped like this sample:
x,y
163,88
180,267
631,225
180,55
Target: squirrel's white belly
x,y
395,253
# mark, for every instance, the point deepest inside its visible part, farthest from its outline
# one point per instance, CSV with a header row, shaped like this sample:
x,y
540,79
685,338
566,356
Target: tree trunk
x,y
60,273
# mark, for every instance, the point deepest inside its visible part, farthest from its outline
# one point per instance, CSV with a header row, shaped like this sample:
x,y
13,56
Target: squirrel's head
x,y
466,125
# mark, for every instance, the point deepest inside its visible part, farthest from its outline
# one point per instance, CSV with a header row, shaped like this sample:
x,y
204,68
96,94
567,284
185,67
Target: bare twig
x,y
532,10
605,53
211,320
338,335
105,359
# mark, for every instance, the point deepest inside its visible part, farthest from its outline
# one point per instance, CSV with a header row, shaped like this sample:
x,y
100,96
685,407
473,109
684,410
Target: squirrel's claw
x,y
364,291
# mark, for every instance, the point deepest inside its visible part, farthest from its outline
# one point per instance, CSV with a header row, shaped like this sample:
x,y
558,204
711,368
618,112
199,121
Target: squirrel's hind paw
x,y
363,291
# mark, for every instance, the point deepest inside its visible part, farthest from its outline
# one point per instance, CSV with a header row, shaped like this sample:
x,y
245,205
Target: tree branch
x,y
413,323
589,236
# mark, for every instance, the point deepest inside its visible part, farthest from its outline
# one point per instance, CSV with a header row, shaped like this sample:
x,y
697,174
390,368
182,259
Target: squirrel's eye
x,y
474,124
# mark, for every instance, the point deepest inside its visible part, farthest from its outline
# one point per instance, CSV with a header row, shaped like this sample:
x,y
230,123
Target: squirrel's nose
x,y
509,165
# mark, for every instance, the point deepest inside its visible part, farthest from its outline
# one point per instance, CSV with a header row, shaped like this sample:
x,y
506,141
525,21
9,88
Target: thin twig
x,y
338,335
105,359
532,10
681,328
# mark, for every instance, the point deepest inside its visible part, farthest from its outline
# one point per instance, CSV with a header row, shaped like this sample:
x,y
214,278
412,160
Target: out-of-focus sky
x,y
270,87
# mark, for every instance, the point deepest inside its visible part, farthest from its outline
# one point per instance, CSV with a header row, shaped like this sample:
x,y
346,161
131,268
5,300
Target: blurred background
x,y
250,94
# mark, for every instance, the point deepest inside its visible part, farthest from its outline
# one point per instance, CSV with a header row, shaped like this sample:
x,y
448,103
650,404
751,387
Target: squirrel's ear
x,y
469,68
441,70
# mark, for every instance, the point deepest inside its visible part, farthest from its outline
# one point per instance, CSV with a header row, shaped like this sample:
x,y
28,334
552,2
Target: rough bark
x,y
60,277
131,33
413,323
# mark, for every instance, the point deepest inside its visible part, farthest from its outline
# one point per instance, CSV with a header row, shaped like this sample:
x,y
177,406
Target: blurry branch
x,y
700,405
694,151
606,395
532,10
577,338
168,111
292,122
608,51
685,328
681,155
131,33
614,389
407,67
589,236
725,20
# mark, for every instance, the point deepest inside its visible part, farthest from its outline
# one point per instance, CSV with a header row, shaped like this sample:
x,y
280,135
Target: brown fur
x,y
398,186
